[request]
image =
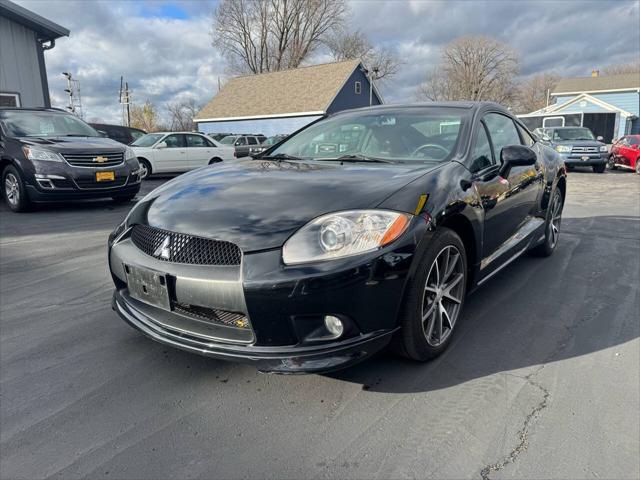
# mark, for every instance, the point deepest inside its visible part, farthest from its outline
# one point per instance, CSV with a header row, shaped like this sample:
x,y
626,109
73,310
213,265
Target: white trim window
x,y
358,88
553,122
9,99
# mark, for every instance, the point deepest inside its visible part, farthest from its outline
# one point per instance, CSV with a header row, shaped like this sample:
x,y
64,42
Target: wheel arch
x,y
463,227
140,158
215,160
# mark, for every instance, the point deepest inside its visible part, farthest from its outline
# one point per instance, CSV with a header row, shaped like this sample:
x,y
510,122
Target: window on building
x,y
9,99
358,88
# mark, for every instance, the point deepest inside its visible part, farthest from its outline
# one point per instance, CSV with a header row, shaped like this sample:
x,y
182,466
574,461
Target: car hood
x,y
258,204
71,144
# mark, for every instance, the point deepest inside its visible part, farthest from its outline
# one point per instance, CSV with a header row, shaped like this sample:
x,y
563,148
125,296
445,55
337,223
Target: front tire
x,y
611,163
13,190
599,168
434,298
145,168
552,228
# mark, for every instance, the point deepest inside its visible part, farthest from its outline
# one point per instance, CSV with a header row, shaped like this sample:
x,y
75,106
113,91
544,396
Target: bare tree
x,y
145,117
633,67
473,68
534,92
257,36
345,45
181,115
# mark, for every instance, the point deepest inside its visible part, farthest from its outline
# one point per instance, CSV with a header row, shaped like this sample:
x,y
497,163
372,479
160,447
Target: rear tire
x,y
599,168
552,226
14,190
434,298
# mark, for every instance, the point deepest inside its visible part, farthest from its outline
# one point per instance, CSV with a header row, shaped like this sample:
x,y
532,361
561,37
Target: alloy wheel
x,y
144,171
442,296
12,189
555,220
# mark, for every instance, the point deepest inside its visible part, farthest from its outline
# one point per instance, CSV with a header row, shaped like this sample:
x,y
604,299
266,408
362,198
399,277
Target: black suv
x,y
119,133
51,155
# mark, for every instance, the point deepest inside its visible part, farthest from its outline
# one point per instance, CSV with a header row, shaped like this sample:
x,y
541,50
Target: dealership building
x,y
608,105
284,101
24,37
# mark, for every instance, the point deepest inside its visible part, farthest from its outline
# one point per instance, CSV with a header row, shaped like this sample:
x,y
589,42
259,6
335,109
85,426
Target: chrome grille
x,y
221,317
584,150
181,248
94,159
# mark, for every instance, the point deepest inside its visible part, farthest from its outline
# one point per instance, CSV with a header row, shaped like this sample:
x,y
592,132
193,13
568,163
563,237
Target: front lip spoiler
x,y
285,360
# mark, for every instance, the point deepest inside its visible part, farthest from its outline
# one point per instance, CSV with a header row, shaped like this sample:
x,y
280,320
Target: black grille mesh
x,y
222,317
184,248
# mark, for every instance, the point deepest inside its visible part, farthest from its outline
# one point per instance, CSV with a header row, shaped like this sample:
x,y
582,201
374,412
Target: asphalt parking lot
x,y
542,380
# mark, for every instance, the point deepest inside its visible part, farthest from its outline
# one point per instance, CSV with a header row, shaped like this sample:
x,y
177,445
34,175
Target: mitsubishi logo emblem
x,y
164,250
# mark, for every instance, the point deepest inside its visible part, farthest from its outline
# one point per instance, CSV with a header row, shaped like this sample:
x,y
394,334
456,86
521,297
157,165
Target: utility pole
x,y
75,96
124,99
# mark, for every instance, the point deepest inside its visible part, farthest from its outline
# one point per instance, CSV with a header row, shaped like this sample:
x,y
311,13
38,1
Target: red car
x,y
625,153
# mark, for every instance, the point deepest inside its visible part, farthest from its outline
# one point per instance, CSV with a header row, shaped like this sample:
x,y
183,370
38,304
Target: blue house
x,y
282,102
608,105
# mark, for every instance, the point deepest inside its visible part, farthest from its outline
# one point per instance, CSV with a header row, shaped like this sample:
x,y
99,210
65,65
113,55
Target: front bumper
x,y
282,359
58,181
284,306
585,159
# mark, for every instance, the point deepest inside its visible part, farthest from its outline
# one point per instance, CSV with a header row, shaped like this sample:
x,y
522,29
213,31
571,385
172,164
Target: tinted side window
x,y
175,141
502,131
241,141
482,155
252,141
196,141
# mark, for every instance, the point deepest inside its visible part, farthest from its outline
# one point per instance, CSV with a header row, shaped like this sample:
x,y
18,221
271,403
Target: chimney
x,y
595,73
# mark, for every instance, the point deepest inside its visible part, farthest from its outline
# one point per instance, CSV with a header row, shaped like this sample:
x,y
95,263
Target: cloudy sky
x,y
163,48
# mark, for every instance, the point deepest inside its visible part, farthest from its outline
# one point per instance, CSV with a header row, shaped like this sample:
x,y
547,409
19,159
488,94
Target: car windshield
x,y
29,123
422,135
573,134
147,140
272,140
228,140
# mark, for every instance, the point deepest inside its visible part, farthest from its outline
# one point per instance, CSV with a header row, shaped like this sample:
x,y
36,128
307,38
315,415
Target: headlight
x,y
129,154
113,236
564,148
43,155
344,234
604,148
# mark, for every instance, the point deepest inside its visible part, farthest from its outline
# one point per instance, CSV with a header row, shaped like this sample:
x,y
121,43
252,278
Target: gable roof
x,y
625,81
558,107
47,29
296,92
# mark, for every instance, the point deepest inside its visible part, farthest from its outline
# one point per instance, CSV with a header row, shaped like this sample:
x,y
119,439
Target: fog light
x,y
334,325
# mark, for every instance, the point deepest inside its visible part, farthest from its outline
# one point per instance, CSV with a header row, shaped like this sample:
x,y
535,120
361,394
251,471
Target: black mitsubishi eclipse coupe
x,y
365,227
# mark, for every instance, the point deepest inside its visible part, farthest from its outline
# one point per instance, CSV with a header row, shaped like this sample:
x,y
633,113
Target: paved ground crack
x,y
523,434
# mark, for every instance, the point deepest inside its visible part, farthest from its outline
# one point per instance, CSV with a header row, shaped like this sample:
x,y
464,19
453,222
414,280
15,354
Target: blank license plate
x,y
148,286
105,176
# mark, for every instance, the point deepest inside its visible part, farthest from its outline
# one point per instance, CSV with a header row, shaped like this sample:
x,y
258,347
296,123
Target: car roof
x,y
471,106
35,109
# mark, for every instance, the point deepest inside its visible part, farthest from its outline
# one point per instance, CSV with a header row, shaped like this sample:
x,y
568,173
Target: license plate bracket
x,y
105,176
148,286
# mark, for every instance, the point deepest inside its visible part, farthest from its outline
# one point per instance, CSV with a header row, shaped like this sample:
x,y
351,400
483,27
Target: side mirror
x,y
515,156
599,138
162,145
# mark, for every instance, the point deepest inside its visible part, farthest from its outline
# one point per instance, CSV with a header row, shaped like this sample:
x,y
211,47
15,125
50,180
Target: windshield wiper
x,y
356,157
279,156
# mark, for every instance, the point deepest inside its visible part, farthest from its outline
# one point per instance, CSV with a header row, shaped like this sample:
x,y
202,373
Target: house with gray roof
x,y
24,37
285,101
608,105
